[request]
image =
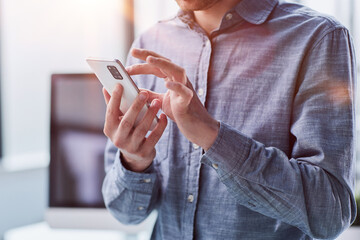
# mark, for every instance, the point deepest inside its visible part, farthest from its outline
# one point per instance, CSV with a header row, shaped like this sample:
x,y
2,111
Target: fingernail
x,y
134,50
155,103
151,59
163,116
116,91
142,96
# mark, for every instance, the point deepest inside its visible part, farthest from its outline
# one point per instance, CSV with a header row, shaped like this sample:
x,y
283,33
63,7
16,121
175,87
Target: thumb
x,y
183,91
153,95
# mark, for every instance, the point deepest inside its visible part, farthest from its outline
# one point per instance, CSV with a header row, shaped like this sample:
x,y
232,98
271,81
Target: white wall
x,y
148,12
41,37
339,8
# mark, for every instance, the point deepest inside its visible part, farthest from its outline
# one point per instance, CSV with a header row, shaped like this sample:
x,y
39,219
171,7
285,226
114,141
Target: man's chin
x,y
195,5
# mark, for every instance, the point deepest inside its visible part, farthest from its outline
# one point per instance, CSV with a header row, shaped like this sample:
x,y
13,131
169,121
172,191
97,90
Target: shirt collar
x,y
253,11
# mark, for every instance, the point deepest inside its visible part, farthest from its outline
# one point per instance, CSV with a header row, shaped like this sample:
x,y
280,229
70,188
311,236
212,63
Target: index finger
x,y
145,68
143,54
156,133
113,108
106,96
169,68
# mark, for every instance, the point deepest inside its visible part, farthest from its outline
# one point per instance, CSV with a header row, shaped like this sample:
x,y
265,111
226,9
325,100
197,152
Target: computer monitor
x,y
77,145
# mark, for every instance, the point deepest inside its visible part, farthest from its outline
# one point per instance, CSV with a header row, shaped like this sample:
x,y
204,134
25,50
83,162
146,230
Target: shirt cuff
x,y
140,182
230,149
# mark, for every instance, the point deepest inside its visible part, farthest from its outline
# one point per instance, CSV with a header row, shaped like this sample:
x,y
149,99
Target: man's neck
x,y
210,19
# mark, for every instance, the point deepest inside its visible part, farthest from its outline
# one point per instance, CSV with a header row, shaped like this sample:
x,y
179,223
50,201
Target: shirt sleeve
x,y
312,188
129,196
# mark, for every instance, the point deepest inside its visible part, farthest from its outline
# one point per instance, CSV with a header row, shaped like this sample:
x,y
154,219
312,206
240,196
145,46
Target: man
x,y
260,138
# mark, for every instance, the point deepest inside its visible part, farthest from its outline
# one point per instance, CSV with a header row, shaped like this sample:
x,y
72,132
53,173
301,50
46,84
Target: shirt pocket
x,y
162,147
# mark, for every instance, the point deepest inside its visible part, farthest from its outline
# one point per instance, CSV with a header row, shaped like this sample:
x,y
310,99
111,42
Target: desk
x,y
353,233
41,231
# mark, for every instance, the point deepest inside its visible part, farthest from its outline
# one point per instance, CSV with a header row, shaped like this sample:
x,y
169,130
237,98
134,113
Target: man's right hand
x,y
138,151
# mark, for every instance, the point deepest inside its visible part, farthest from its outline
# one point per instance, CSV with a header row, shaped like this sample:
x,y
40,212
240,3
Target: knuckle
x,y
191,94
182,71
140,132
125,124
110,112
118,141
106,131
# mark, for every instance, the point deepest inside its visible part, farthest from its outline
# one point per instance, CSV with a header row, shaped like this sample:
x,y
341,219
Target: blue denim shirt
x,y
279,78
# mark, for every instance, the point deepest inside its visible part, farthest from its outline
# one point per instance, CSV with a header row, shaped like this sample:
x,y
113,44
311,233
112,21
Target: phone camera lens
x,y
114,72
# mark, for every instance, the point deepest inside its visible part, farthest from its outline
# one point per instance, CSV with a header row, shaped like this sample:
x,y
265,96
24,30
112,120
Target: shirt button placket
x,y
204,68
208,43
192,187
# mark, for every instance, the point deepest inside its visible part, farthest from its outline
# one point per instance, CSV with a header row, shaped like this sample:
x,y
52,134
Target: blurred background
x,y
41,37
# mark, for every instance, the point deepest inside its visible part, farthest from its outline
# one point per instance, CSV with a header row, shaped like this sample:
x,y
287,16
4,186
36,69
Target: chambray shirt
x,y
279,78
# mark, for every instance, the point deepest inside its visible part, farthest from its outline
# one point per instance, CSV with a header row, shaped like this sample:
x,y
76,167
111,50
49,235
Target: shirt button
x,y
190,198
228,16
140,208
208,43
195,146
147,180
215,166
200,92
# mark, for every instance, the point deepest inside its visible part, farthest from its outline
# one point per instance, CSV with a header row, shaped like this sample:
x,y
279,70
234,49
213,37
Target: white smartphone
x,y
112,72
